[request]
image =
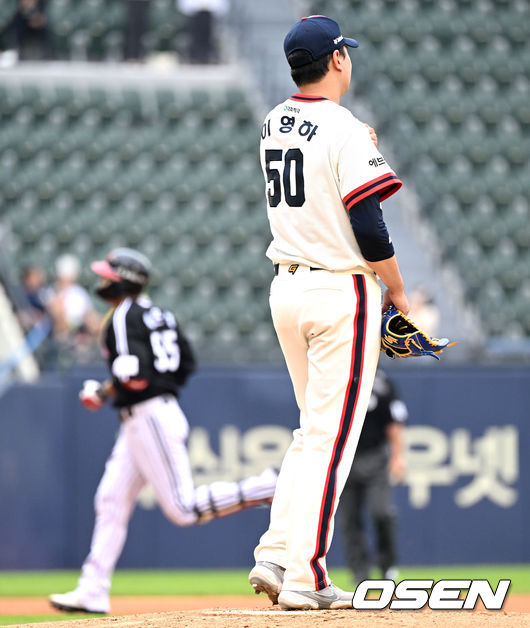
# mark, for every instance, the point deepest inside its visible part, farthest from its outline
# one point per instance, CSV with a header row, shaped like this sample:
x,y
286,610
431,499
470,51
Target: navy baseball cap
x,y
318,35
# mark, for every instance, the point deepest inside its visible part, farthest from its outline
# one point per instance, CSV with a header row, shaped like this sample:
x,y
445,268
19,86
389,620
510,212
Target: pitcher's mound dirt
x,y
248,612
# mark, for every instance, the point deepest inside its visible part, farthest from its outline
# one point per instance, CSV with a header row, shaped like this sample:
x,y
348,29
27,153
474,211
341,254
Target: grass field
x,y
212,582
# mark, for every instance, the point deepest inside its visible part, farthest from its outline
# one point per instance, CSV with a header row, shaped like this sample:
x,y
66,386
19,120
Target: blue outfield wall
x,y
465,499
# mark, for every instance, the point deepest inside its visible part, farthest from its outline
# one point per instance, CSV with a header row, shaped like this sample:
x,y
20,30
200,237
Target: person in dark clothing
x,y
34,315
378,460
37,294
203,18
136,25
31,30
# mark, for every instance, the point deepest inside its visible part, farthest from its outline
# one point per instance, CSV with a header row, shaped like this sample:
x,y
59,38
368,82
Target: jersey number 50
x,y
293,180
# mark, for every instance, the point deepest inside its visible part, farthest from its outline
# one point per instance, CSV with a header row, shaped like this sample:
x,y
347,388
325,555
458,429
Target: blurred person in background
x,y
31,31
423,310
34,315
203,45
37,294
75,321
149,359
379,460
136,25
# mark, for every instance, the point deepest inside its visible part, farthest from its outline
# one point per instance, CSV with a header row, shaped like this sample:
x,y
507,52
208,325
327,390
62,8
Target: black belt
x,y
126,412
295,266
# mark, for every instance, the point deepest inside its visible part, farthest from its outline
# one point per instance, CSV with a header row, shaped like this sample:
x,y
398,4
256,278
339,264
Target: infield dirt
x,y
248,612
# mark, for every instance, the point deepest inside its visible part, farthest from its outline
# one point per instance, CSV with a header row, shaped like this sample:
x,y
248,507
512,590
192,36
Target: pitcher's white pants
x,y
328,325
151,448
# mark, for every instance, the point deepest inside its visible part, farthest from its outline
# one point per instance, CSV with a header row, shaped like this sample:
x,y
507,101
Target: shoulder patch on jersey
x,y
291,109
376,161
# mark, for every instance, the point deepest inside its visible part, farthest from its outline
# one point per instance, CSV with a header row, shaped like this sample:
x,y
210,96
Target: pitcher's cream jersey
x,y
318,161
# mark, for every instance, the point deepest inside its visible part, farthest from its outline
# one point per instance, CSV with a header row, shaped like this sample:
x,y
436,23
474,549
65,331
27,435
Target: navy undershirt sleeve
x,y
366,218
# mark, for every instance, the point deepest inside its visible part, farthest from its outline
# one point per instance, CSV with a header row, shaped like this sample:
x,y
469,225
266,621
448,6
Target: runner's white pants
x,y
151,448
328,325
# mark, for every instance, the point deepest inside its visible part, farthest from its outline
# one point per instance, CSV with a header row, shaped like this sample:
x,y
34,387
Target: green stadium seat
x,y
179,177
477,83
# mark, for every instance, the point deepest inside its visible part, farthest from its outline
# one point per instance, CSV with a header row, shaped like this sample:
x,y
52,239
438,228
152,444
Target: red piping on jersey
x,y
307,98
386,185
349,408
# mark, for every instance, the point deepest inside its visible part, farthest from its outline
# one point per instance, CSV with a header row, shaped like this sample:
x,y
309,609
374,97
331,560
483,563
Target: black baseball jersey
x,y
147,353
384,408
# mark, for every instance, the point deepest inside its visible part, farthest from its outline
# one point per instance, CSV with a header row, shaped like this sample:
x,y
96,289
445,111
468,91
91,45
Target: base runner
x,y
150,359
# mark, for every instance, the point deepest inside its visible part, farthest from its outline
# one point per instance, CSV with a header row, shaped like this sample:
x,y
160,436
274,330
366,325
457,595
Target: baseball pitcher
x,y
325,180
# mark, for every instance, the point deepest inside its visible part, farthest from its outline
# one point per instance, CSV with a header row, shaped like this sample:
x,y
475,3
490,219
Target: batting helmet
x,y
124,272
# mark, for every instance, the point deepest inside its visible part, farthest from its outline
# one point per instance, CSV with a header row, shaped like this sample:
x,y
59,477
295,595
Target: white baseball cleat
x,y
331,597
78,602
267,578
392,573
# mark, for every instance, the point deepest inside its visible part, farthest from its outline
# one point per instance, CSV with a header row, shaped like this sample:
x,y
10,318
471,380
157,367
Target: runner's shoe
x,y
78,602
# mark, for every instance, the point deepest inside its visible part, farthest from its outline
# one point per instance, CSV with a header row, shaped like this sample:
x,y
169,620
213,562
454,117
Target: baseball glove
x,y
401,338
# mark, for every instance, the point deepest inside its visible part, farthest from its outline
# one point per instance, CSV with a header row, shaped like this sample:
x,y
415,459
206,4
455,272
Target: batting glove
x,y
92,395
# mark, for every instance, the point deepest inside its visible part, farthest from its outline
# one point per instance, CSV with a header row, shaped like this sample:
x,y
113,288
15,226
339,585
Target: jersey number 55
x,y
166,350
